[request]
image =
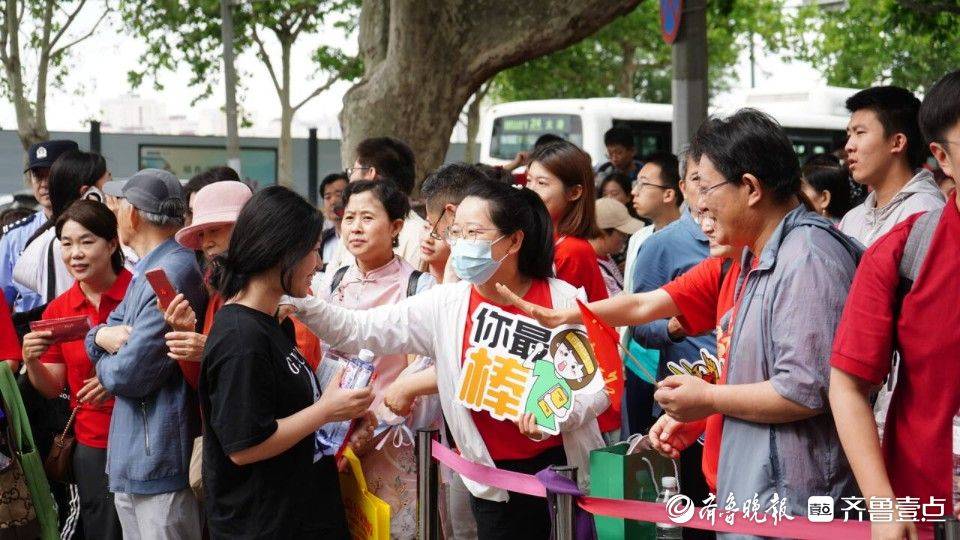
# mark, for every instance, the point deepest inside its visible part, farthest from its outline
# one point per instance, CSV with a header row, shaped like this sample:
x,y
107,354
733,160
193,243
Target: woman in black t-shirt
x,y
263,473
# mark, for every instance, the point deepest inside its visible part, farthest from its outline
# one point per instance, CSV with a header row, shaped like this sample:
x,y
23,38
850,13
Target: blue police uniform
x,y
15,236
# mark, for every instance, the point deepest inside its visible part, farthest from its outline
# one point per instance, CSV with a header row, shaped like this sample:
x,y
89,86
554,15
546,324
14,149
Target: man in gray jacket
x,y
155,417
779,444
885,151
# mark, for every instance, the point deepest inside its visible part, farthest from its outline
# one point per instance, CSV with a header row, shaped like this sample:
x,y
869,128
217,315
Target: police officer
x,y
15,235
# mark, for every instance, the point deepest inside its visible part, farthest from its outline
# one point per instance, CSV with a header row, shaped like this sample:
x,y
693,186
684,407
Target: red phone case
x,y
161,286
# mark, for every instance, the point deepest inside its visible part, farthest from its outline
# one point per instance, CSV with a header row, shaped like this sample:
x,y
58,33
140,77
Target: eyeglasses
x,y
638,185
455,233
706,191
350,170
433,230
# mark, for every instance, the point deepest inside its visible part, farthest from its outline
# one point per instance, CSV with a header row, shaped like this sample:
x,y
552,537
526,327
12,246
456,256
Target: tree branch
x,y
319,90
65,26
265,58
83,37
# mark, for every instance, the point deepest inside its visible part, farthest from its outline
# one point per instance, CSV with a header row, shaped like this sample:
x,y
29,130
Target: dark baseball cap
x,y
43,154
148,190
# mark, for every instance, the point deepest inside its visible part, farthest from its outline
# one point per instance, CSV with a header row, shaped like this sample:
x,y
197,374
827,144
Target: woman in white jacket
x,y
500,235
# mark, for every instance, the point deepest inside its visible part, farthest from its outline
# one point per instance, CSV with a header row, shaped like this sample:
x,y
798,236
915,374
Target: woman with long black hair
x,y
263,472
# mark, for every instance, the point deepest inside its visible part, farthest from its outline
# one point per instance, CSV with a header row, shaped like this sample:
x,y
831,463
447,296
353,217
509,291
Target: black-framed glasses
x,y
706,191
638,185
433,229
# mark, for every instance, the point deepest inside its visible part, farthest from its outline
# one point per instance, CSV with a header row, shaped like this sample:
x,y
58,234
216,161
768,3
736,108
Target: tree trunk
x,y
423,61
285,153
628,71
471,151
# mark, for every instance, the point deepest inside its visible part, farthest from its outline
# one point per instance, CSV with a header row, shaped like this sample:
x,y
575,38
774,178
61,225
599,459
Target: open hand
x,y
547,317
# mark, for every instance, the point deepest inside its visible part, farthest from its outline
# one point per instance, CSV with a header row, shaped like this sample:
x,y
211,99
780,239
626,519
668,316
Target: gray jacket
x,y
866,222
155,417
788,313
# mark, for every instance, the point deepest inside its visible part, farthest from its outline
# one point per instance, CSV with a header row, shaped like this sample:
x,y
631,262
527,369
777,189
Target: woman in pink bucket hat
x,y
215,210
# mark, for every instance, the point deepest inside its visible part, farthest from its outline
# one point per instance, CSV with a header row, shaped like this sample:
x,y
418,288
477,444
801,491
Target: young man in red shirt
x,y
914,459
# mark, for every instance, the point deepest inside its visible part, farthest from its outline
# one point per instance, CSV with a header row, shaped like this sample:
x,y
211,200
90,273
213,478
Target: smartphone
x,y
161,286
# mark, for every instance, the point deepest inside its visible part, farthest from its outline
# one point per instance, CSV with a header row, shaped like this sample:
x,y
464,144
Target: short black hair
x,y
940,109
513,209
97,218
547,138
395,202
331,178
449,183
825,173
220,173
897,110
392,158
618,135
262,240
497,174
669,171
71,171
751,142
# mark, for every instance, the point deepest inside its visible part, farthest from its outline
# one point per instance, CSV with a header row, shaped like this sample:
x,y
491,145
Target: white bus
x,y
815,120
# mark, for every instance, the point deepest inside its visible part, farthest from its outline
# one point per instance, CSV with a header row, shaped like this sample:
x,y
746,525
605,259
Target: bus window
x,y
809,142
517,133
648,137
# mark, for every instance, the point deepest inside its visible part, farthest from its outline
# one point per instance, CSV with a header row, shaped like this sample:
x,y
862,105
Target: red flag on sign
x,y
604,339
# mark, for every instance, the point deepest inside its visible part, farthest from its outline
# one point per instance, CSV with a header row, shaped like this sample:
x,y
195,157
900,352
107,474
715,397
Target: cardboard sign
x,y
515,366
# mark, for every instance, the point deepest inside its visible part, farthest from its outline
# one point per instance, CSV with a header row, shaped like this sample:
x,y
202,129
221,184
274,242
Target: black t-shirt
x,y
253,376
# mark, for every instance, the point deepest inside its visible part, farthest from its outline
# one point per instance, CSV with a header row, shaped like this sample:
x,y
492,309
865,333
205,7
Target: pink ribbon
x,y
800,527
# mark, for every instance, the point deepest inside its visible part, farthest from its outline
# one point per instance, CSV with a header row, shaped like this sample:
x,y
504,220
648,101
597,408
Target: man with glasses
x,y
779,444
17,234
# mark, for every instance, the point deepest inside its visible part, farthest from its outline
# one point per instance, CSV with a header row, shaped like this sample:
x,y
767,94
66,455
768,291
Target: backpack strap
x,y
725,267
414,283
337,278
915,250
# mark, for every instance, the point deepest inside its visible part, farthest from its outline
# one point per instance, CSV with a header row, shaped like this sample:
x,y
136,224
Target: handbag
x,y
59,462
26,456
195,475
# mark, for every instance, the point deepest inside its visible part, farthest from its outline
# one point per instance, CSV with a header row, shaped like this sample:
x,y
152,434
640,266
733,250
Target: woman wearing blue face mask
x,y
499,235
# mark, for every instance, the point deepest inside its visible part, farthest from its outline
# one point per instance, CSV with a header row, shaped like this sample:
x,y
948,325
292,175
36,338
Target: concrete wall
x,y
122,153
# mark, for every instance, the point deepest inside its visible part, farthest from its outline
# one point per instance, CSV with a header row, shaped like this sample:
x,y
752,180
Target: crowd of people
x,y
786,337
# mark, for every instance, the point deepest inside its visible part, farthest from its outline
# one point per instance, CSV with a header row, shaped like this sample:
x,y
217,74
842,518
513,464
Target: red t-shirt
x,y
703,301
917,434
92,422
502,437
9,344
576,263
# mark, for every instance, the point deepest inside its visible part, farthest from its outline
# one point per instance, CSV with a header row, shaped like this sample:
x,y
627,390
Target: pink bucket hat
x,y
215,204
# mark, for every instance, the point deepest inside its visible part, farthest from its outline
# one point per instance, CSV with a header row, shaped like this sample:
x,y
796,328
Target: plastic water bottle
x,y
668,531
358,371
956,459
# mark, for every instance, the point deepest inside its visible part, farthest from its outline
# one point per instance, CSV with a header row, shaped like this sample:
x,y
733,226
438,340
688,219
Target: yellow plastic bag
x,y
368,516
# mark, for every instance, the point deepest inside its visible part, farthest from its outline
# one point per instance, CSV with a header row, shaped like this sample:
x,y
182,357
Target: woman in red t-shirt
x,y
87,231
9,343
561,175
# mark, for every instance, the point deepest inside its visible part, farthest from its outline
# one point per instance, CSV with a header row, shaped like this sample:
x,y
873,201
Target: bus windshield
x,y
517,133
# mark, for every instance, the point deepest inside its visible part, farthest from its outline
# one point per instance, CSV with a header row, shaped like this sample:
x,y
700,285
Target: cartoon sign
x,y
707,367
515,366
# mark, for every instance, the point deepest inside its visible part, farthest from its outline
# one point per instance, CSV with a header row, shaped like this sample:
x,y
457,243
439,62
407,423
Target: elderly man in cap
x,y
155,417
40,157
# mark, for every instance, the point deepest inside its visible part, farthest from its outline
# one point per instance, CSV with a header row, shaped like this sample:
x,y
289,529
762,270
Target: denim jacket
x,y
155,417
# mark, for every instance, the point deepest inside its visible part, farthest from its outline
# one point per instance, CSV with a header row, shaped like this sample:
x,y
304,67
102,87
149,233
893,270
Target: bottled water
x,y
668,531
